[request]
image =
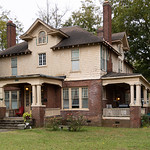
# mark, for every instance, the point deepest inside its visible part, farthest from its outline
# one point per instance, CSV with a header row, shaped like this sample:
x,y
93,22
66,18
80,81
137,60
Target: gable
x,y
28,35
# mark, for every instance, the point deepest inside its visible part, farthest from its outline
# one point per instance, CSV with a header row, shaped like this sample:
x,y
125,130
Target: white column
x,y
132,95
138,94
34,95
145,96
2,99
39,103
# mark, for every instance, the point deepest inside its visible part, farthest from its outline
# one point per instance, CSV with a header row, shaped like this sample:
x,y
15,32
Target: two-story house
x,y
69,70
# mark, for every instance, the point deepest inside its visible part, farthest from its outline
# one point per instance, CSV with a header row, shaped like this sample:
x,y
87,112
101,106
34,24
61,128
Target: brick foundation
x,y
38,113
135,116
94,114
116,123
2,112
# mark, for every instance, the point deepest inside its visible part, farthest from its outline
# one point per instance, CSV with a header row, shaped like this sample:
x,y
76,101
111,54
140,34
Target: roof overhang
x,y
28,34
128,79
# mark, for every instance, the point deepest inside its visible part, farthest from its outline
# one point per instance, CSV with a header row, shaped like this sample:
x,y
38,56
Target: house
x,y
69,70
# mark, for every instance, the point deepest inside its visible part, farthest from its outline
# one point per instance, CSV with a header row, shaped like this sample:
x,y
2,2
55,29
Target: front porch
x,y
37,94
125,99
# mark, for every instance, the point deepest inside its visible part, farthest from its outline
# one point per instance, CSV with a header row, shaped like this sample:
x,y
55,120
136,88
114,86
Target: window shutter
x,y
101,58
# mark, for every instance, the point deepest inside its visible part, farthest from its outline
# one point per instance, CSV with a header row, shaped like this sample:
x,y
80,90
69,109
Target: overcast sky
x,y
26,10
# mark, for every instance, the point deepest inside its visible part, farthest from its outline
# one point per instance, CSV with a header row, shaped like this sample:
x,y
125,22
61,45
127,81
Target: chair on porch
x,y
21,111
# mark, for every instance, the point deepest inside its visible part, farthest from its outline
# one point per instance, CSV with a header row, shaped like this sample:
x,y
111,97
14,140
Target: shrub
x,y
54,123
145,121
75,122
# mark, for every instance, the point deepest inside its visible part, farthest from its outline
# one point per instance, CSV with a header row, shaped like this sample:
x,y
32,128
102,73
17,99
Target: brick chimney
x,y
107,22
11,34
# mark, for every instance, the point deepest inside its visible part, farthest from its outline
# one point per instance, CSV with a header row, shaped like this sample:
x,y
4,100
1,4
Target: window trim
x,y
46,38
75,59
41,65
14,66
70,99
104,56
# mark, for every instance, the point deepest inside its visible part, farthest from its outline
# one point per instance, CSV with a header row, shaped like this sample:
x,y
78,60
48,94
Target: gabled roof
x,y
118,36
19,49
121,37
77,36
28,34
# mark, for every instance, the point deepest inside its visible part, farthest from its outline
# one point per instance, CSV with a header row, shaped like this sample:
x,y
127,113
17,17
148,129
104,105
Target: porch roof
x,y
33,76
129,78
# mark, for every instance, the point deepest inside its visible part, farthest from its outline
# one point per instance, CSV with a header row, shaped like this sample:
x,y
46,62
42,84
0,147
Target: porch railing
x,y
52,112
116,112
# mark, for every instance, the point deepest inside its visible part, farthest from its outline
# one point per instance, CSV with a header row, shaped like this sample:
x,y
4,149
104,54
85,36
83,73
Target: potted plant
x,y
27,119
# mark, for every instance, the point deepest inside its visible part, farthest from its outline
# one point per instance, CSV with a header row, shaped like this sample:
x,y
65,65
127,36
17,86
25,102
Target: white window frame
x,y
80,96
75,60
103,57
10,99
42,59
41,38
14,66
120,65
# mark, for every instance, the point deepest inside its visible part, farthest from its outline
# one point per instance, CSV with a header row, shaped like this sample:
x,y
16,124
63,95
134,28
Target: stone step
x,y
12,123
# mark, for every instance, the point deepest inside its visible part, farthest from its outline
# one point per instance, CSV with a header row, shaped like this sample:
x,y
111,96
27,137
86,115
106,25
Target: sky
x,y
26,10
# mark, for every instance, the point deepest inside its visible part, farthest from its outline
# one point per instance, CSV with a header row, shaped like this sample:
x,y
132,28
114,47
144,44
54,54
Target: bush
x,y
54,123
75,122
145,121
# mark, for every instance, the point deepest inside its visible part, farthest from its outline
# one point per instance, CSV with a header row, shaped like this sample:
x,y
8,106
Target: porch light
x,y
27,89
118,98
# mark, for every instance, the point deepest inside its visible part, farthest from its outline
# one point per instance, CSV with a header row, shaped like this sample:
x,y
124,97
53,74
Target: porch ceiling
x,y
33,79
116,78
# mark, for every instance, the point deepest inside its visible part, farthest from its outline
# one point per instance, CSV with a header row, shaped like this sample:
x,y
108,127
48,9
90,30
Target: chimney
x,y
107,21
11,34
100,32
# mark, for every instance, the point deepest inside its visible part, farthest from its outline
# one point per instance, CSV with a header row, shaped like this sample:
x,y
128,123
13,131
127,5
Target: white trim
x,y
119,118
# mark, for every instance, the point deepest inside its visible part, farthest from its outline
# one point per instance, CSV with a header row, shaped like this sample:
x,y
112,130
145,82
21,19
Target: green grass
x,y
91,138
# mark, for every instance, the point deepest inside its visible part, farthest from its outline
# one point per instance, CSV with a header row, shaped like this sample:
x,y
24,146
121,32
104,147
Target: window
x,y
84,97
12,99
14,66
66,98
75,60
104,54
119,66
7,99
42,59
75,98
42,37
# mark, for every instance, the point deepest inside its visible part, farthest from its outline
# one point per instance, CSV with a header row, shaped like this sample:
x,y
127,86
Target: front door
x,y
27,99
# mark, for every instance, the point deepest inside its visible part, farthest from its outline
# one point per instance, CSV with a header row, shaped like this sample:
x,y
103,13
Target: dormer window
x,y
42,37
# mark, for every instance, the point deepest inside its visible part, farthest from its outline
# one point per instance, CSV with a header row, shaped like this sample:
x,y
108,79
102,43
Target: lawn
x,y
91,138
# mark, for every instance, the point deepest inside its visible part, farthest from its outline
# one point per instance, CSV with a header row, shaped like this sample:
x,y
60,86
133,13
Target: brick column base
x,y
38,113
2,112
135,116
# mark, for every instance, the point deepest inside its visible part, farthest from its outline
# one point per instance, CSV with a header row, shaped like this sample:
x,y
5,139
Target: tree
x,y
4,18
133,17
87,17
52,16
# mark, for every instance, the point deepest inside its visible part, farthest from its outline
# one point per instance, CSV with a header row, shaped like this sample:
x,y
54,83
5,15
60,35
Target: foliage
x,y
75,122
27,116
54,123
145,121
4,18
133,17
87,17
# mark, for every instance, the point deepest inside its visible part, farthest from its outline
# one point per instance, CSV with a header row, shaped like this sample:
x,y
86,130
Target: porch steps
x,y
12,123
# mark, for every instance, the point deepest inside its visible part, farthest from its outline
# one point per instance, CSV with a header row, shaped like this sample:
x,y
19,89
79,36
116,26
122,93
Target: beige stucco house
x,y
69,70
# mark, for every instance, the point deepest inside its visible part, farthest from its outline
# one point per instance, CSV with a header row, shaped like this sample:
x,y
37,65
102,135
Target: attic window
x,y
42,37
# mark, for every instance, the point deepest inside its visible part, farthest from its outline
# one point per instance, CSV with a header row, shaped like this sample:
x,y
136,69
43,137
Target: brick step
x,y
10,121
